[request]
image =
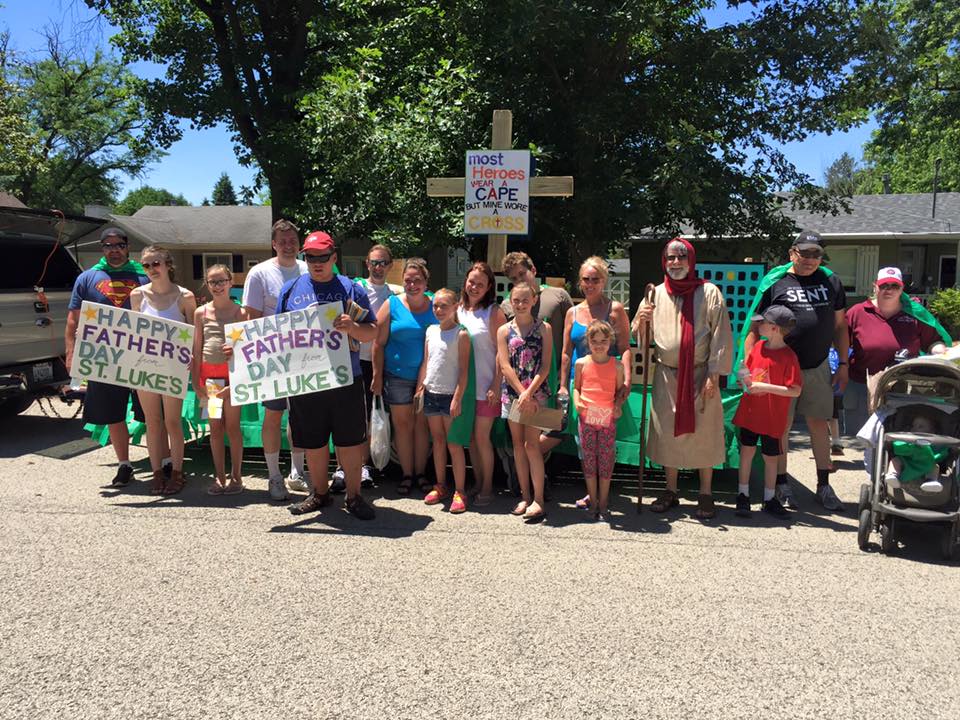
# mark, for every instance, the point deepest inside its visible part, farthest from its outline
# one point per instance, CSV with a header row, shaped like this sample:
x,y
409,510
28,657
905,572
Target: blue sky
x,y
195,162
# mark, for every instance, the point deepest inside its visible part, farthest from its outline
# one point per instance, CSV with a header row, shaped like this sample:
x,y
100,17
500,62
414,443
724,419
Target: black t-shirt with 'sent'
x,y
813,300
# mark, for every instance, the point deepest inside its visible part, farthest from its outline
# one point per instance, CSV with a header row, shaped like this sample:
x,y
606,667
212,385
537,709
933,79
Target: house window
x,y
352,266
855,265
211,259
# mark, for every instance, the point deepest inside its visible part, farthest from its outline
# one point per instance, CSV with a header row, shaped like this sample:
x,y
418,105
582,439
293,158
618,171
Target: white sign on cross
x,y
546,186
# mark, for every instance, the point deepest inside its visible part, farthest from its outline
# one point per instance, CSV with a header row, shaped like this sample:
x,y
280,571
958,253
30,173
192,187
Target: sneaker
x,y
773,507
458,505
784,495
299,483
338,482
436,495
743,506
359,508
836,449
366,476
123,477
932,486
828,498
278,491
313,503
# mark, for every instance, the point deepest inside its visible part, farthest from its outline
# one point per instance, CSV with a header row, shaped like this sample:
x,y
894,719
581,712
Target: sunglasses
x,y
379,263
217,283
890,286
809,254
154,263
675,258
318,258
114,246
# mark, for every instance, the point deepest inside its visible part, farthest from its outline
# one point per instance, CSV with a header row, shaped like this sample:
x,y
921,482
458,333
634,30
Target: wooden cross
x,y
547,186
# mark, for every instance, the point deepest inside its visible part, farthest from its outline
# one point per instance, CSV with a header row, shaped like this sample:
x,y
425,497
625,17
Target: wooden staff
x,y
643,345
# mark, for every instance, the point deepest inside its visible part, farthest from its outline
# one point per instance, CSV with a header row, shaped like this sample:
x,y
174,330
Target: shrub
x,y
945,305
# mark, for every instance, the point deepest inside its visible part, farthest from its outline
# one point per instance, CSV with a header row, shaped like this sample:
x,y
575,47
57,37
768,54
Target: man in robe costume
x,y
694,346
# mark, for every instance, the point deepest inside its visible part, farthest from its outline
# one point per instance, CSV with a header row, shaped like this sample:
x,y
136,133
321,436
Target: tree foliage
x,y
85,119
223,192
914,74
18,150
843,176
146,195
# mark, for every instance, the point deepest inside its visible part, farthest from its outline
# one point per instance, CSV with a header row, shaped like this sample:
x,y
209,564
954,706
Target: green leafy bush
x,y
945,305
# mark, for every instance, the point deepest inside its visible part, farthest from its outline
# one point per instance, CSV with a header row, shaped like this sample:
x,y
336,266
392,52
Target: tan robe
x,y
713,353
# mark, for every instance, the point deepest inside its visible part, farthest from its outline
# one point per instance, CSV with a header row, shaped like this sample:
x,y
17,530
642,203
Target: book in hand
x,y
357,314
544,418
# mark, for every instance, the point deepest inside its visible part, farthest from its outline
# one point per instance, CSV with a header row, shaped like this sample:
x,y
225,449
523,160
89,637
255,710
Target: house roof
x,y
220,225
8,200
885,214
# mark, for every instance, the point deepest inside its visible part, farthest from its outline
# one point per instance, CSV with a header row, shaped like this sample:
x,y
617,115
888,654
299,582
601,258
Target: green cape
x,y
918,460
911,308
128,266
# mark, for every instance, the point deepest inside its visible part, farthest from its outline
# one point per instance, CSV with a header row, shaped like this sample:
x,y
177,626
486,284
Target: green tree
x,y
914,74
843,176
87,120
19,149
146,195
654,114
223,192
238,62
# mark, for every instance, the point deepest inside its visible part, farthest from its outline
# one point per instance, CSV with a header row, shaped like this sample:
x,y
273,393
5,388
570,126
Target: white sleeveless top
x,y
477,323
443,360
169,313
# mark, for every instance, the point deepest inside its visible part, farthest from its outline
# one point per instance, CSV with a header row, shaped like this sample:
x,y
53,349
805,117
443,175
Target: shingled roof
x,y
885,214
214,225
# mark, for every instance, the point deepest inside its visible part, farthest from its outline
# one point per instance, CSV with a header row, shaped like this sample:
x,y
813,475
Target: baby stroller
x,y
922,386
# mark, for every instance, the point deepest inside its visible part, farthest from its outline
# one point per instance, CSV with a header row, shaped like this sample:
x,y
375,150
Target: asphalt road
x,y
122,605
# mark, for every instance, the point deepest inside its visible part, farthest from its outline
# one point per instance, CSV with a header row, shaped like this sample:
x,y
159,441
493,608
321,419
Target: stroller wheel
x,y
864,497
863,530
947,548
888,540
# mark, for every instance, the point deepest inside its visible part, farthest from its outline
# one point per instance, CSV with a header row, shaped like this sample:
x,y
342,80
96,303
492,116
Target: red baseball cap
x,y
890,275
319,241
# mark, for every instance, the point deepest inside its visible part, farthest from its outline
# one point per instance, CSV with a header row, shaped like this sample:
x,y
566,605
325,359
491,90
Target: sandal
x,y
216,488
234,487
405,485
706,510
157,482
520,508
175,483
665,500
424,484
583,503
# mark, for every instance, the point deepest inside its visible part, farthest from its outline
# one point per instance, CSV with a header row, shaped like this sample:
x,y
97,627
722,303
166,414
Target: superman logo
x,y
117,291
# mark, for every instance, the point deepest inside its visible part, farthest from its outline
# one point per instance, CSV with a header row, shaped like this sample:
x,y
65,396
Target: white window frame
x,y
940,268
211,259
868,264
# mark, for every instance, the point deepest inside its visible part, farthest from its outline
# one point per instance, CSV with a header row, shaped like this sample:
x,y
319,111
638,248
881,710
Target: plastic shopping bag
x,y
379,434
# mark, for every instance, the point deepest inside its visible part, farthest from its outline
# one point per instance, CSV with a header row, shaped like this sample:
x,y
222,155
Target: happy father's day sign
x,y
127,348
497,195
293,353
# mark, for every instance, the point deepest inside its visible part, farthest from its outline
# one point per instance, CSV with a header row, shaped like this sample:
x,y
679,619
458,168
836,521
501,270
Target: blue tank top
x,y
578,336
404,351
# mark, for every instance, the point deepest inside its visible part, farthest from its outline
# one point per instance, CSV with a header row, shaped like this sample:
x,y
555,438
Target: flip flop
x,y
234,489
520,509
216,488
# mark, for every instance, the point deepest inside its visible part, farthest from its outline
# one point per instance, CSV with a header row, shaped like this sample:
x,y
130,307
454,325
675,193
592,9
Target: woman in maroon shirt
x,y
878,329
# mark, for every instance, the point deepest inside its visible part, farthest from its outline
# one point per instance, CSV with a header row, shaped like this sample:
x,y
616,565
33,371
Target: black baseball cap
x,y
779,315
808,240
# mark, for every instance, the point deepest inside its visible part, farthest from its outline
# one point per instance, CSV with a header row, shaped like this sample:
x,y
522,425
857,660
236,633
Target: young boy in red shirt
x,y
773,381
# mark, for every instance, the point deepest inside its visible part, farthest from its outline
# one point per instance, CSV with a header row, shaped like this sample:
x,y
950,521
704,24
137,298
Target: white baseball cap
x,y
890,275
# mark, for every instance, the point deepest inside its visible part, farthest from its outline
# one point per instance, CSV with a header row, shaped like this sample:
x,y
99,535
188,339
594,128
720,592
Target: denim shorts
x,y
398,391
434,404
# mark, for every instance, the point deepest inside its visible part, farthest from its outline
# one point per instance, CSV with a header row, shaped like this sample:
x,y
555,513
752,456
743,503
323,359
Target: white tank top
x,y
443,360
477,323
168,313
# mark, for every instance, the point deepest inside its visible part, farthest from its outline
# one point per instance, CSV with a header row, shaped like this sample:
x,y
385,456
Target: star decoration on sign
x,y
236,335
185,335
332,314
90,314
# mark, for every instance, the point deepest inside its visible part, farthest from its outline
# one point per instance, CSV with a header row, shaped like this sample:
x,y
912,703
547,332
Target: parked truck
x,y
36,278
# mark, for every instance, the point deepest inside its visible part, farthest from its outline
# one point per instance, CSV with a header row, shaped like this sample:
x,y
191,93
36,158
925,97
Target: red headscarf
x,y
685,419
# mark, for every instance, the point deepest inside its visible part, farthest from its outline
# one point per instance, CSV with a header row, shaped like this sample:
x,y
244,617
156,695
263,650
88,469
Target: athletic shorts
x,y
214,371
366,372
107,404
768,445
340,412
816,396
279,404
398,390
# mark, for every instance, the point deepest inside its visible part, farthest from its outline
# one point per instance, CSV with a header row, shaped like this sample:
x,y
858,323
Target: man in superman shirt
x,y
109,282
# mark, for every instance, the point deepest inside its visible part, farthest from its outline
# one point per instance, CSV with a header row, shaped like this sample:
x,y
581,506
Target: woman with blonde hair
x,y
163,298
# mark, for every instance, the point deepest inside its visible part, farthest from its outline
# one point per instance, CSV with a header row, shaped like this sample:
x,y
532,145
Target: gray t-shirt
x,y
552,307
262,287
